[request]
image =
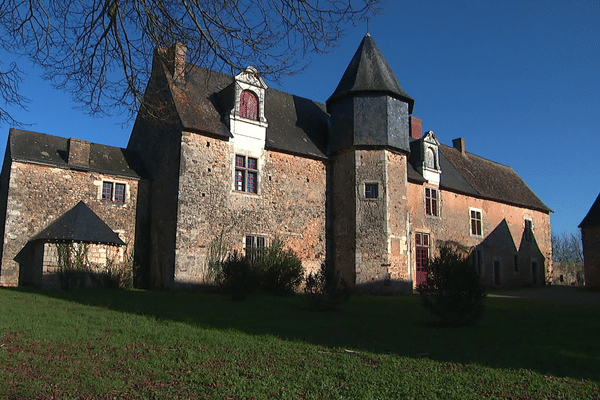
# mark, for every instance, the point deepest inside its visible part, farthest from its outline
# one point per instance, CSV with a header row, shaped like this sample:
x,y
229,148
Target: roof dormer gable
x,y
429,165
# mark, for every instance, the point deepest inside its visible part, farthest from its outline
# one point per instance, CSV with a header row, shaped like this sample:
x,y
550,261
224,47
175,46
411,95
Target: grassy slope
x,y
144,344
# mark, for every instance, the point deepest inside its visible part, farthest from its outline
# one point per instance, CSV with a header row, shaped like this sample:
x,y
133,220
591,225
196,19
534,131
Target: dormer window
x,y
248,105
430,158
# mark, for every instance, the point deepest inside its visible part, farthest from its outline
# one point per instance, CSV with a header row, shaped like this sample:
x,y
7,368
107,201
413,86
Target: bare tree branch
x,y
101,50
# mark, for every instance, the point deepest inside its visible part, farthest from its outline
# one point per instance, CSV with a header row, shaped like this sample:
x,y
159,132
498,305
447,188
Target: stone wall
x,y
38,194
290,204
591,255
500,241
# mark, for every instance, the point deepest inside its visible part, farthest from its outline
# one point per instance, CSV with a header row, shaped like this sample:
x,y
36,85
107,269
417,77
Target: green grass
x,y
145,344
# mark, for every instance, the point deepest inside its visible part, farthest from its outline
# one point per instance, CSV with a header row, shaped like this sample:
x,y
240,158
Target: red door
x,y
422,257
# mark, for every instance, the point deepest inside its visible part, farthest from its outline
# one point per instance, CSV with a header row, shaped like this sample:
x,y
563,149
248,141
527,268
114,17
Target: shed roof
x,y
79,224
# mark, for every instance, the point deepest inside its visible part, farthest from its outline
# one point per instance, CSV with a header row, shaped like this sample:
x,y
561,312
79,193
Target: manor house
x,y
355,182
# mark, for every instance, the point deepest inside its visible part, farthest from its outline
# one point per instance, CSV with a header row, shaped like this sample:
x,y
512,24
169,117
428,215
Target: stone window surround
x,y
114,183
245,172
434,211
371,190
478,222
363,190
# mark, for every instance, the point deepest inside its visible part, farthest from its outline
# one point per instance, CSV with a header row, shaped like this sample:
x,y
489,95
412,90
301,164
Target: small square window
x,y
371,190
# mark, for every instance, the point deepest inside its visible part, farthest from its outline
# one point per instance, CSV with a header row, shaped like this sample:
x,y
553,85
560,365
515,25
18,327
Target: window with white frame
x,y
114,191
432,202
476,225
246,174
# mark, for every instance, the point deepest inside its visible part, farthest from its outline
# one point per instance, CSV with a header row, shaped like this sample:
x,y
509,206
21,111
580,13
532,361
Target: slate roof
x,y
79,224
299,125
476,175
53,150
593,216
296,124
369,72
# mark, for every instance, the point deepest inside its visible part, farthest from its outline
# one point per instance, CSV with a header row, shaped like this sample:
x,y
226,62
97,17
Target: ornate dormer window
x,y
430,165
249,105
249,98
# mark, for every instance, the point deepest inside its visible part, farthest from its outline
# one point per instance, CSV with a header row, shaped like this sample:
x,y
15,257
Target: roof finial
x,y
368,20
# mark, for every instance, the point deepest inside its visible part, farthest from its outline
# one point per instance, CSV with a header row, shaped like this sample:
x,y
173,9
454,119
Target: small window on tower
x,y
371,190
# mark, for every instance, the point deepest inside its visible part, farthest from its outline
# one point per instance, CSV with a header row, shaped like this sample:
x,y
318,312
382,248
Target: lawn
x,y
175,344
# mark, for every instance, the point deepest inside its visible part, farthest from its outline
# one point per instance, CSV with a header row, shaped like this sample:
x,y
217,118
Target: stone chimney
x,y
416,128
459,144
79,152
178,53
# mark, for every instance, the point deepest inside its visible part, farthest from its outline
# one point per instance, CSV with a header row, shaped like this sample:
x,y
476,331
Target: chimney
x,y
416,128
459,144
79,152
179,51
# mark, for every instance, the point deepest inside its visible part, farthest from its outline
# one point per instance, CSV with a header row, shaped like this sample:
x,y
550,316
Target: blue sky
x,y
519,80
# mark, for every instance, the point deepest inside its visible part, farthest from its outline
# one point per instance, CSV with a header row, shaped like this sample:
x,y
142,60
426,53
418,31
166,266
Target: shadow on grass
x,y
548,336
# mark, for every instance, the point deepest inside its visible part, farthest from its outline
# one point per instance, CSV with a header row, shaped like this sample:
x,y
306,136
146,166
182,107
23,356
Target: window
x,y
516,263
246,174
248,105
430,161
528,232
255,246
432,202
475,222
422,249
371,190
112,191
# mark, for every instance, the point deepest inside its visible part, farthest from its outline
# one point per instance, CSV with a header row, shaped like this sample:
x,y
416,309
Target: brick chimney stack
x,y
79,152
416,128
459,144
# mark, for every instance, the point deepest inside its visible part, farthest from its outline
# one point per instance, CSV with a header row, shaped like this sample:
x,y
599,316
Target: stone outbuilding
x,y
354,182
590,235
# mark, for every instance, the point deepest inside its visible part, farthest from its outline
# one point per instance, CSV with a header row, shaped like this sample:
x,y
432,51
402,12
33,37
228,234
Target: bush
x,y
121,275
237,276
280,270
324,290
452,291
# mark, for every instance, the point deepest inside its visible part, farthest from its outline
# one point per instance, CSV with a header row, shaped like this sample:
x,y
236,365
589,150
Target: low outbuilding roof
x,y
79,224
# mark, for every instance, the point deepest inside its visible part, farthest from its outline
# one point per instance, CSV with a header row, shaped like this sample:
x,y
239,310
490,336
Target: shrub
x,y
324,290
237,276
452,291
280,270
121,275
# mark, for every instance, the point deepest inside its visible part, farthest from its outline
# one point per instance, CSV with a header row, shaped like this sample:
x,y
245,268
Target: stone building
x,y
354,182
590,236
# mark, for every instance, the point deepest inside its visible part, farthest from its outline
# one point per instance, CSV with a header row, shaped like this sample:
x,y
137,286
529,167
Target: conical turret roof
x,y
369,72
